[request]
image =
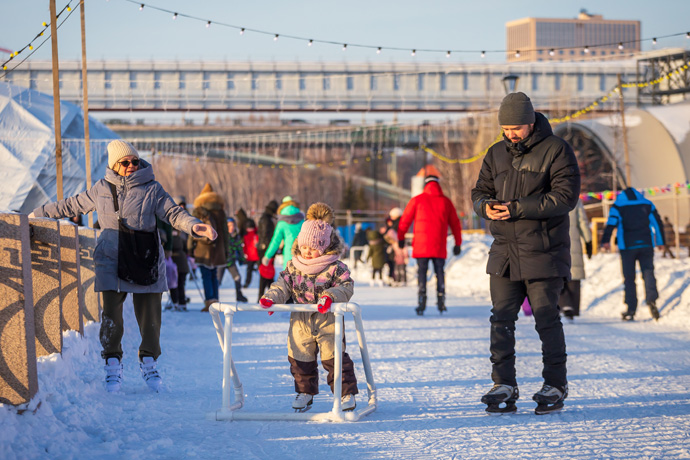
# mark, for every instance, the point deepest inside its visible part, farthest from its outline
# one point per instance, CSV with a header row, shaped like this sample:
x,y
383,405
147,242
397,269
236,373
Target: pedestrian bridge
x,y
323,86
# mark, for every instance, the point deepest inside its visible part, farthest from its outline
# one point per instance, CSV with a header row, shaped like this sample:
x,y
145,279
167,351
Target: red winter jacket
x,y
251,240
432,213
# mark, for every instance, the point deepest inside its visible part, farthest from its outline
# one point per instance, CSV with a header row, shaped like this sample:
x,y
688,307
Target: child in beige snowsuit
x,y
314,275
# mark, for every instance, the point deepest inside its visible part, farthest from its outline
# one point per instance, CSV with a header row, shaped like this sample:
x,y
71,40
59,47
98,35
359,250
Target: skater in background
x,y
569,300
290,220
396,254
129,196
209,255
251,252
669,235
527,185
432,213
235,256
314,275
639,230
179,257
241,220
266,227
359,240
377,253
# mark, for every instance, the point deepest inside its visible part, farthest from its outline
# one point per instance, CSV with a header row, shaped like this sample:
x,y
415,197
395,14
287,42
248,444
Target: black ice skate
x,y
501,399
653,310
441,303
550,399
422,305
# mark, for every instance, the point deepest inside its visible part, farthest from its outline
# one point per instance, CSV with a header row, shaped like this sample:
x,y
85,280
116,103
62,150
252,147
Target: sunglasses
x,y
126,163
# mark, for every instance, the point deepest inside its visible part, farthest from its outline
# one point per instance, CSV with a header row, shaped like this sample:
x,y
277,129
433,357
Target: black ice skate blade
x,y
501,408
419,312
301,411
543,409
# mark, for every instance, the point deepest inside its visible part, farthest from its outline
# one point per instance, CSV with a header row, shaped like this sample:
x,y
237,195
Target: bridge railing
x,y
47,278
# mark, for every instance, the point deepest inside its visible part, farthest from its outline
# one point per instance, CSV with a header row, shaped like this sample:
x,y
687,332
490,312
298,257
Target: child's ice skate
x,y
302,402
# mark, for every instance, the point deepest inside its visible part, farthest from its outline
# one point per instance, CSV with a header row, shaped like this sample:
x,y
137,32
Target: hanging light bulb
x,y
275,39
687,35
413,52
242,31
208,24
69,8
345,47
517,54
175,16
620,45
586,49
31,47
552,52
311,42
141,7
448,54
378,51
483,54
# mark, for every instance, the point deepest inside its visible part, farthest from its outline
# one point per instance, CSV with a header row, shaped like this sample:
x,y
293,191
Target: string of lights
x,y
30,46
611,195
379,49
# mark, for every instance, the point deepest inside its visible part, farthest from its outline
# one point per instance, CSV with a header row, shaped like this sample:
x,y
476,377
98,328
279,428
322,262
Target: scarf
x,y
314,266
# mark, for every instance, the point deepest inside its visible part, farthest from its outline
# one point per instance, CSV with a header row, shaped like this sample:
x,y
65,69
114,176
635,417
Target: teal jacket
x,y
290,220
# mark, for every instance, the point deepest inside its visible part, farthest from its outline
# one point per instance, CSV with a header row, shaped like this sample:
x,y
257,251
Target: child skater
x,y
315,276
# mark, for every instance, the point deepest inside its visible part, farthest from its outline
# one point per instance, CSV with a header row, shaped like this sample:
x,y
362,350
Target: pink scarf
x,y
313,266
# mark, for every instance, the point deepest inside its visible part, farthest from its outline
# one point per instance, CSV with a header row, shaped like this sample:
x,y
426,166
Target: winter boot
x,y
238,290
422,304
149,373
501,399
113,374
441,302
302,402
207,304
568,312
653,310
348,403
550,398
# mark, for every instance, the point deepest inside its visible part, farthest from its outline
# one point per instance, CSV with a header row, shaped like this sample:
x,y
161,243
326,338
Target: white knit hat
x,y
118,149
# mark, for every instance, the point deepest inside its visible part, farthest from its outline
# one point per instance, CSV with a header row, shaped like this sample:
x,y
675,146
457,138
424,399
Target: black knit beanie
x,y
516,109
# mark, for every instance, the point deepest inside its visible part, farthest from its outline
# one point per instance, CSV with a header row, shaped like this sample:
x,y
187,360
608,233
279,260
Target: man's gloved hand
x,y
265,261
266,303
324,304
401,244
456,250
588,249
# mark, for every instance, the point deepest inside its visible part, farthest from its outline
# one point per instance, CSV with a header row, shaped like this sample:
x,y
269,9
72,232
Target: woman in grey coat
x,y
569,301
140,200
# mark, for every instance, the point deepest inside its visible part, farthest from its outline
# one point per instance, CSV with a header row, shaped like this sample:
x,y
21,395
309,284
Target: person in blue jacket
x,y
639,230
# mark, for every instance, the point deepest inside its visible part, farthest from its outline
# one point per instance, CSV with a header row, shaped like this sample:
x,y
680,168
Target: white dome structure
x,y
27,149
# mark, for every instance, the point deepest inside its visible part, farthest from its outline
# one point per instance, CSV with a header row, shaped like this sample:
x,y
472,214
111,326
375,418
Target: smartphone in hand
x,y
492,203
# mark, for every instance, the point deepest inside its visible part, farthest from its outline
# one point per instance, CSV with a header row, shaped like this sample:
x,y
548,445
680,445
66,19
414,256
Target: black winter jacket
x,y
540,178
265,229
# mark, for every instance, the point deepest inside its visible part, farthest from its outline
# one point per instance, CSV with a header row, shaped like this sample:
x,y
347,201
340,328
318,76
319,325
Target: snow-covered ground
x,y
629,382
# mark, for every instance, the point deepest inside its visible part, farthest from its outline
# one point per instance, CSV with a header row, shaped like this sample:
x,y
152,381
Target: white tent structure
x,y
27,149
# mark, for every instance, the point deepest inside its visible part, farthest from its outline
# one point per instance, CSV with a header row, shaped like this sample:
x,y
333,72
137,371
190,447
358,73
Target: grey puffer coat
x,y
141,200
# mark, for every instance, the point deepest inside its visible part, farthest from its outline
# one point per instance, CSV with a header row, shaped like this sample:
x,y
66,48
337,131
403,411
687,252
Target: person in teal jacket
x,y
290,220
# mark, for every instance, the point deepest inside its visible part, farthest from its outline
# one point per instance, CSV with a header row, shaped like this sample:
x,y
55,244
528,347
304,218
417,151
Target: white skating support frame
x,y
230,411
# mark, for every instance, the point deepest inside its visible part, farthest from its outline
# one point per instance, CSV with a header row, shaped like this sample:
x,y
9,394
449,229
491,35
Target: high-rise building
x,y
587,37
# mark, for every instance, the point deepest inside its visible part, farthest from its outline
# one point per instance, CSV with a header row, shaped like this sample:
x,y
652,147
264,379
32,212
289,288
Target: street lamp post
x,y
510,83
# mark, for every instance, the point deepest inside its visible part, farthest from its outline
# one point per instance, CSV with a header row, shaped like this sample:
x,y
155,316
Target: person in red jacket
x,y
432,213
251,252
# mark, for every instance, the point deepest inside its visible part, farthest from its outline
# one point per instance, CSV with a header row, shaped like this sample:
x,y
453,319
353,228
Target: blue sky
x,y
117,29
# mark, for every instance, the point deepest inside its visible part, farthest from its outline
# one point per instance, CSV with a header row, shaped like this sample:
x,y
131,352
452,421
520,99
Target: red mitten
x,y
324,304
266,303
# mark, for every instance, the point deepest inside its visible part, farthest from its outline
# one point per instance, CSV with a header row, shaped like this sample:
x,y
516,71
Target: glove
x,y
588,249
265,261
401,244
324,304
456,250
266,303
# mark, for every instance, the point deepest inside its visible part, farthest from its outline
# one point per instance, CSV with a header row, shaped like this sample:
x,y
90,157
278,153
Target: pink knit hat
x,y
315,234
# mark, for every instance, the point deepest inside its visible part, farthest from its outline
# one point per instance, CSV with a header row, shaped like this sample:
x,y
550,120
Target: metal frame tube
x,y
229,411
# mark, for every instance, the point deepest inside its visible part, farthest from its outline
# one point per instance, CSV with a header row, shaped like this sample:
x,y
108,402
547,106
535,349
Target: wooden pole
x,y
85,92
626,153
56,100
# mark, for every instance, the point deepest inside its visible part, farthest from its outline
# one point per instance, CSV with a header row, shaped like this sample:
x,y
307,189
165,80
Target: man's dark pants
x,y
507,297
646,258
423,267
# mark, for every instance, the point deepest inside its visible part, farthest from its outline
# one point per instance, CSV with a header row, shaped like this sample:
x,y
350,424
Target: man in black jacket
x,y
527,185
